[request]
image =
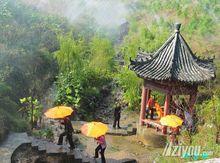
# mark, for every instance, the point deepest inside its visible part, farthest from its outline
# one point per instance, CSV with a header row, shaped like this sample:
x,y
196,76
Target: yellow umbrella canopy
x,y
94,129
171,121
58,112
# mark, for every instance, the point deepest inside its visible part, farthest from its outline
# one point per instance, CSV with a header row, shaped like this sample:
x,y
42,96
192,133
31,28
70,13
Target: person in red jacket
x,y
150,107
101,147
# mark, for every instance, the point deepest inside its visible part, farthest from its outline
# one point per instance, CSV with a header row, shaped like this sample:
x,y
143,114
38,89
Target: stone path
x,y
52,153
10,144
124,131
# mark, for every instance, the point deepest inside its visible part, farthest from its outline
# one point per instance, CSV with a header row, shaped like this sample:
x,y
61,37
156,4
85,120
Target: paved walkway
x,y
10,144
124,131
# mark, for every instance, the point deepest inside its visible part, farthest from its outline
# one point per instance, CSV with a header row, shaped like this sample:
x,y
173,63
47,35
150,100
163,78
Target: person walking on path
x,y
100,148
117,116
67,132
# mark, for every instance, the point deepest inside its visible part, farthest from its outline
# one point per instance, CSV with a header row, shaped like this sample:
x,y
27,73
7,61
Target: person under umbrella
x,y
62,112
96,130
173,122
68,130
100,148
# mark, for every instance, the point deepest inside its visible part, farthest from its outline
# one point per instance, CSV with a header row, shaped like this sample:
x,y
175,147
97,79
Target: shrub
x,y
45,133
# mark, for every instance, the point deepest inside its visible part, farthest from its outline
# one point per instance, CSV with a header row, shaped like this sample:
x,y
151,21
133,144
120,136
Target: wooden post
x,y
148,95
143,105
166,110
167,104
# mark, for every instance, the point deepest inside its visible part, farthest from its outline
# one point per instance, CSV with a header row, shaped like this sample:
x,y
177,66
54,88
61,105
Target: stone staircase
x,y
13,141
43,151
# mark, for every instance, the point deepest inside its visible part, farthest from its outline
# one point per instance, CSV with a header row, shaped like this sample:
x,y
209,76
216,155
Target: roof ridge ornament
x,y
177,27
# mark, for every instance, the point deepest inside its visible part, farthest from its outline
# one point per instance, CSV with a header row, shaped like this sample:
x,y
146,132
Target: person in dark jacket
x,y
67,132
117,116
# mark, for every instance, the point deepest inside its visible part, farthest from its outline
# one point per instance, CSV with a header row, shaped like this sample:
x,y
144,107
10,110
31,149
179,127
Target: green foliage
x,y
45,133
4,10
5,90
85,68
27,40
31,108
208,112
131,86
68,89
208,124
102,52
81,91
150,39
76,55
71,53
9,119
206,137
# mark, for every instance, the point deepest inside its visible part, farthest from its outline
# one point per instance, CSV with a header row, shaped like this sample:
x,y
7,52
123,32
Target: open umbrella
x,y
58,112
94,129
171,121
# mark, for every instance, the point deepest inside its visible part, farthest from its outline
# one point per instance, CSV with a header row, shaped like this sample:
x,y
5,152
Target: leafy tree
x,y
71,53
101,54
85,69
32,109
148,38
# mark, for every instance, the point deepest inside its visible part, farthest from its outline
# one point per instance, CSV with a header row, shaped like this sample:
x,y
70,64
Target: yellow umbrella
x,y
171,121
94,129
58,112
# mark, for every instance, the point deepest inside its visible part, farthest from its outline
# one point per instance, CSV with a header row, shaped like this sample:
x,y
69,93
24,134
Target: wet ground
x,y
144,147
119,147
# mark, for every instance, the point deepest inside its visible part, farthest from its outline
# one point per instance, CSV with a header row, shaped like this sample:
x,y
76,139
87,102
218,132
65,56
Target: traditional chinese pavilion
x,y
174,70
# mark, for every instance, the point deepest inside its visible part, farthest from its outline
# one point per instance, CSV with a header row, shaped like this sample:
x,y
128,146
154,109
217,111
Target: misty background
x,y
107,13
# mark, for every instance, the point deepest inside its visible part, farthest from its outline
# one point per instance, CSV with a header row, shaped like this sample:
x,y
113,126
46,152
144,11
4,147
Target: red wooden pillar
x,y
143,105
148,95
166,109
192,101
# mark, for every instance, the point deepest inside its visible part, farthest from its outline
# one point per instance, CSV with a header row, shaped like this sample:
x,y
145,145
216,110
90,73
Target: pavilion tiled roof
x,y
173,61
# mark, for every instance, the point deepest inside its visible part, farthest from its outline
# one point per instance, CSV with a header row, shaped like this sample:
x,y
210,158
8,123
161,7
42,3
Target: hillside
x,y
83,48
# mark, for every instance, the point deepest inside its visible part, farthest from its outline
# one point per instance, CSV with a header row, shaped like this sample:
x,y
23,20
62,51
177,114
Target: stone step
x,y
55,150
128,161
42,147
34,145
85,157
70,156
12,142
39,145
77,155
